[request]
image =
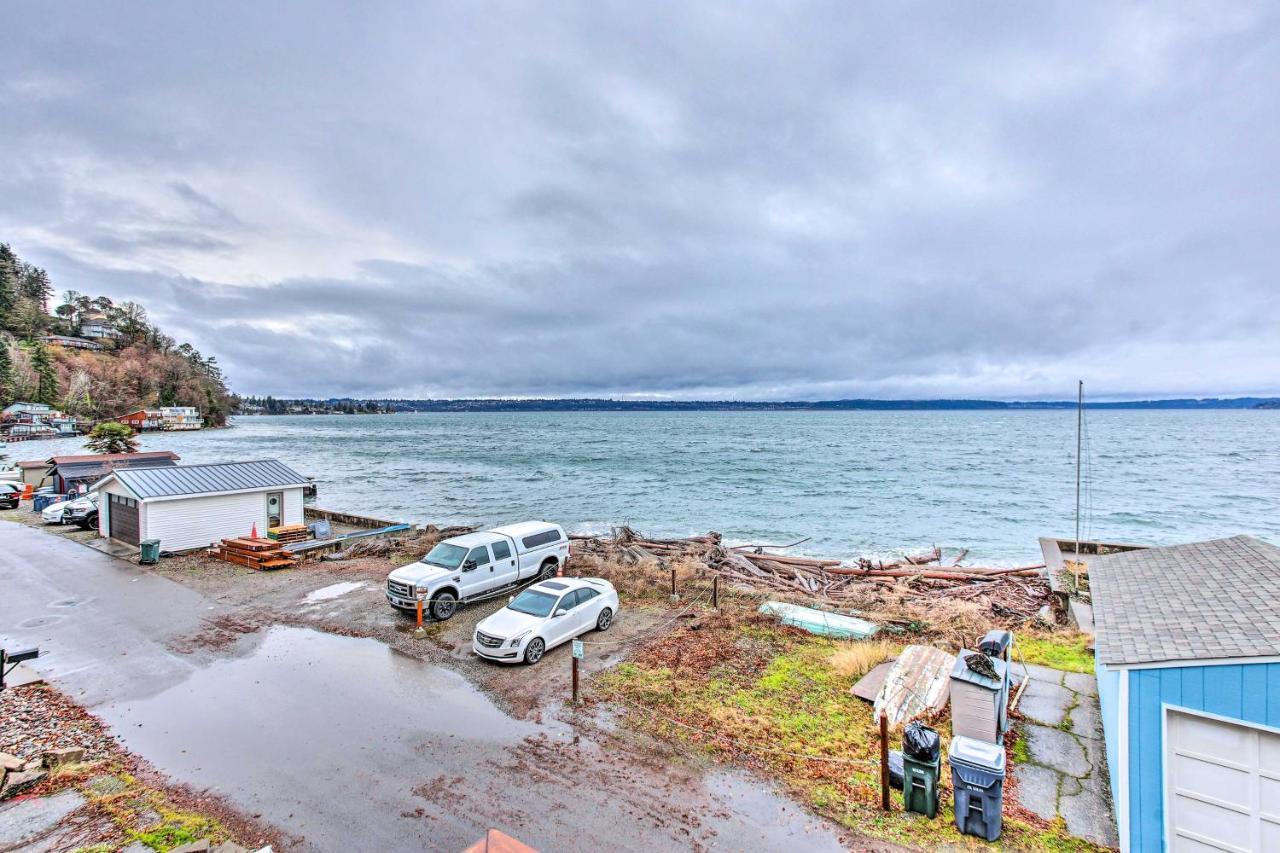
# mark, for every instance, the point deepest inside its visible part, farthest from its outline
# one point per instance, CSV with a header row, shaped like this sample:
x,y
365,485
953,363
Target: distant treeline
x,y
280,406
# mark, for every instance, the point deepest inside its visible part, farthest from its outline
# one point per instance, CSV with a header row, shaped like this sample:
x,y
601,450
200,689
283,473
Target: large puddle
x,y
353,746
317,732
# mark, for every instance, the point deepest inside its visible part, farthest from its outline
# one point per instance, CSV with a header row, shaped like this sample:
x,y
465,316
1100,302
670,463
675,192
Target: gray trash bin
x,y
977,779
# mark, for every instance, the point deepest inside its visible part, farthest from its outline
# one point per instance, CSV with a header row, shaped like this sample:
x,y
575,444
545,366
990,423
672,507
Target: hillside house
x,y
72,342
98,327
143,420
181,417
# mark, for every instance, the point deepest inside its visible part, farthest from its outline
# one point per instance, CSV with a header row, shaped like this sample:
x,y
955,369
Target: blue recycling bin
x,y
977,781
42,502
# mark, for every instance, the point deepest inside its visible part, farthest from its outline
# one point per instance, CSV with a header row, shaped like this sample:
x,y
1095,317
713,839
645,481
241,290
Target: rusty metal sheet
x,y
919,682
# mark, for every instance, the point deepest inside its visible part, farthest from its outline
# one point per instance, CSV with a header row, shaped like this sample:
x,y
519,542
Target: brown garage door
x,y
123,518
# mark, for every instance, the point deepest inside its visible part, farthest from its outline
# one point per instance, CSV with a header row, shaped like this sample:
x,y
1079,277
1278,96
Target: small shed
x,y
35,472
1188,663
69,473
194,506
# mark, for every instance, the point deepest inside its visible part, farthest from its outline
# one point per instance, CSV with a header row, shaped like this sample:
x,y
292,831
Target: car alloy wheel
x,y
534,651
444,606
604,620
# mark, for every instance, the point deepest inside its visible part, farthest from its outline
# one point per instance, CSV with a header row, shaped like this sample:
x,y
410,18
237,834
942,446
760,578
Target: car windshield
x,y
533,603
446,556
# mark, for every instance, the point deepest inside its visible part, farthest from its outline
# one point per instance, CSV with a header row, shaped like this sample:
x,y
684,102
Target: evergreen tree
x,y
112,437
6,374
46,374
8,282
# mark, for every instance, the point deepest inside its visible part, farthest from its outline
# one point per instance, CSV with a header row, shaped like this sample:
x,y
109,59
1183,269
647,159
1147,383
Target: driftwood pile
x,y
1017,593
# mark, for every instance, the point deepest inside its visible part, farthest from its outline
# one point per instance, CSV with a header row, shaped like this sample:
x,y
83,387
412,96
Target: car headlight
x,y
519,638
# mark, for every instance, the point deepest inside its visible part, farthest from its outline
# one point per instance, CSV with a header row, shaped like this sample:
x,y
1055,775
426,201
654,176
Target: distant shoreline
x,y
337,406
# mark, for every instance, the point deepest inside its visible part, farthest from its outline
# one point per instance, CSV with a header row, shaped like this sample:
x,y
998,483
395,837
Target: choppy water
x,y
856,482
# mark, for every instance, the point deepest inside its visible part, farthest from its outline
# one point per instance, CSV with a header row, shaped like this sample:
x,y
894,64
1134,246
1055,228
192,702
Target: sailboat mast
x,y
1079,431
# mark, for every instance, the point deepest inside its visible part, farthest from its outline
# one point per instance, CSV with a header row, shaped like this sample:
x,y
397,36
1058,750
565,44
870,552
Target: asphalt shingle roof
x,y
204,479
1216,599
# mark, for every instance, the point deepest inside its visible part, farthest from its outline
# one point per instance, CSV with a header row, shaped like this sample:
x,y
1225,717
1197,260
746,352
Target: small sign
x,y
579,650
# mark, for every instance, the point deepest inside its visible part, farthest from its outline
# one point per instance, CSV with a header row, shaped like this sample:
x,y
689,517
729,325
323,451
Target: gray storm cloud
x,y
692,200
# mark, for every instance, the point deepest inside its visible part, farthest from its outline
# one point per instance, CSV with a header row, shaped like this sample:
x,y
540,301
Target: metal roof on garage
x,y
181,480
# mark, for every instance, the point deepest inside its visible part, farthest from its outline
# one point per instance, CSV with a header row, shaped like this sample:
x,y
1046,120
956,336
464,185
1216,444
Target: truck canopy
x,y
519,532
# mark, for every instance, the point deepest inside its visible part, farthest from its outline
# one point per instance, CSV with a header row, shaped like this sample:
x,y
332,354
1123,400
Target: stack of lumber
x,y
289,533
256,553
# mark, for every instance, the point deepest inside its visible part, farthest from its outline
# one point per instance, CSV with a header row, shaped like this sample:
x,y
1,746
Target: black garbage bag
x,y
895,769
921,742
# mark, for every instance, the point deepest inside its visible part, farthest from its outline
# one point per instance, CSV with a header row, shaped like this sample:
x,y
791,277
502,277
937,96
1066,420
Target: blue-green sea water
x,y
856,482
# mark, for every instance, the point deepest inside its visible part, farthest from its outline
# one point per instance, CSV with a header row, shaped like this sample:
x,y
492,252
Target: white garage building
x,y
194,506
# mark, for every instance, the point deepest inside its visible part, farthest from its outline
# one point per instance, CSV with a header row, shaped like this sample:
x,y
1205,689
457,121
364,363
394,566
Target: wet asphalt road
x,y
345,743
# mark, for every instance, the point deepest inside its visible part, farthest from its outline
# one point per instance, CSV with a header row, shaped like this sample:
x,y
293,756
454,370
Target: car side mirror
x,y
510,598
469,565
561,612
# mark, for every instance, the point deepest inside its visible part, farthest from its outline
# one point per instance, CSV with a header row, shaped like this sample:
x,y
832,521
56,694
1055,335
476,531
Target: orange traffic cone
x,y
254,534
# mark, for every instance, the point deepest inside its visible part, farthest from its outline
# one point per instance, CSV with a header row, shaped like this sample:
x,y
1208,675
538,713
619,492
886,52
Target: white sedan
x,y
64,512
544,616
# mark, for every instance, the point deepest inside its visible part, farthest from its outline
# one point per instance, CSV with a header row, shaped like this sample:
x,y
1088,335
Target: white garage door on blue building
x,y
1188,660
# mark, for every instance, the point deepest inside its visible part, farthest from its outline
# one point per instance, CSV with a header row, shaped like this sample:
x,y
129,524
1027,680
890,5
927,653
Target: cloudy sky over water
x,y
760,200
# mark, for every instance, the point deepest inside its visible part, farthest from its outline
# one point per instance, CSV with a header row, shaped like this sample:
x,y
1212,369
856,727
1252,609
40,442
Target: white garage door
x,y
1222,783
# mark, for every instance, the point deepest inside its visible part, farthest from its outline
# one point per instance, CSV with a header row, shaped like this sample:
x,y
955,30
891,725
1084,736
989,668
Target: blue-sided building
x,y
1188,663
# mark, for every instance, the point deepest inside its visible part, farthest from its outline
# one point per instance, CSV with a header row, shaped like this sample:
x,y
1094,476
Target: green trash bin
x,y
920,785
149,551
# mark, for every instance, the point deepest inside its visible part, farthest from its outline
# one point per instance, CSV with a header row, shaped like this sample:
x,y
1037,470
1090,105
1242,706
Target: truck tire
x,y
534,651
89,522
443,606
604,620
548,570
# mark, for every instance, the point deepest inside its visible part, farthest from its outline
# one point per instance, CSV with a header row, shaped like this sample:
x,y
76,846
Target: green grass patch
x,y
1068,652
768,698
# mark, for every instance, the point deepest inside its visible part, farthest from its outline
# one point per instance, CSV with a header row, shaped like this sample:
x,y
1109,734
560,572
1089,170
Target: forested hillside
x,y
136,366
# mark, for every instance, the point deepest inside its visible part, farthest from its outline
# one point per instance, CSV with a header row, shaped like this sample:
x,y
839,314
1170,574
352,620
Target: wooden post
x,y
715,591
575,680
884,761
673,583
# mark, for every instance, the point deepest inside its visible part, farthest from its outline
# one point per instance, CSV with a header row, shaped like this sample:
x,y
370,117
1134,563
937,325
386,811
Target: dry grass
x,y
855,659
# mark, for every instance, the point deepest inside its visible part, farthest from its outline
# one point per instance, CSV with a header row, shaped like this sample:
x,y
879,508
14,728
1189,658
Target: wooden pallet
x,y
289,533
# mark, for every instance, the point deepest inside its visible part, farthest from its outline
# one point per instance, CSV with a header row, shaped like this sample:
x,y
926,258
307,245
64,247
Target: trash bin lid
x,y
978,754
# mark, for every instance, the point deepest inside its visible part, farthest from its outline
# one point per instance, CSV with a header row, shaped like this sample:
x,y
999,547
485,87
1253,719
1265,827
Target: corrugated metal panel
x,y
203,479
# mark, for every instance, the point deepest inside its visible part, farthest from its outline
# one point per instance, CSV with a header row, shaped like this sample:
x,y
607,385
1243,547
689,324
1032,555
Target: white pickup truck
x,y
478,566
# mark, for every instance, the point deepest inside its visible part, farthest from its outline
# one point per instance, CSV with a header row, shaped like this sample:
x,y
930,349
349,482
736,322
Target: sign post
x,y
579,651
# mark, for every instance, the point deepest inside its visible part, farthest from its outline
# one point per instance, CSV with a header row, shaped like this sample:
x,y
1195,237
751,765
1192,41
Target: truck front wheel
x,y
443,606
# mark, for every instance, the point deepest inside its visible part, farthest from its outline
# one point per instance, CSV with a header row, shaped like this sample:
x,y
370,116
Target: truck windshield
x,y
446,556
533,603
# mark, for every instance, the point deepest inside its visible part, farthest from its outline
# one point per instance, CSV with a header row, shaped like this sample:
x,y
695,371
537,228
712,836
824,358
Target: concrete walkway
x,y
1067,772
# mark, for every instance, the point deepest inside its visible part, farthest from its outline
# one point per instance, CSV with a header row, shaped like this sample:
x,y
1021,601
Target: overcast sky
x,y
752,200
